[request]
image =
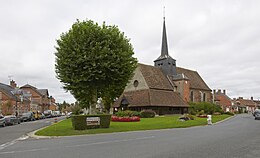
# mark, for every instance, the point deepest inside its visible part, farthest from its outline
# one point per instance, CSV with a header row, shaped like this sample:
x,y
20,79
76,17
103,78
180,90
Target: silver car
x,y
256,114
2,120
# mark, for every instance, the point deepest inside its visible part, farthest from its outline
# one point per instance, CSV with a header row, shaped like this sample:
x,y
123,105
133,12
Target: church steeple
x,y
164,49
165,61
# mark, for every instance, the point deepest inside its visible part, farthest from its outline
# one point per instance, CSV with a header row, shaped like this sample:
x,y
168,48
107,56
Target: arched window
x,y
204,97
191,96
201,96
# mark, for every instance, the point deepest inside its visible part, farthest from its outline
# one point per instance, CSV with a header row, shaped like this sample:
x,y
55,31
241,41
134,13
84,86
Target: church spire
x,y
165,61
164,49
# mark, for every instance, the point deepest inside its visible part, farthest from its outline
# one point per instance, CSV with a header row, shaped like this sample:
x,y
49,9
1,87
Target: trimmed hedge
x,y
79,121
147,114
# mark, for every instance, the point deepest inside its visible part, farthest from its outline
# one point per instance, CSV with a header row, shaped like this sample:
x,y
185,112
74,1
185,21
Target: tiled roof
x,y
223,99
43,91
28,86
151,97
246,102
155,78
7,90
196,82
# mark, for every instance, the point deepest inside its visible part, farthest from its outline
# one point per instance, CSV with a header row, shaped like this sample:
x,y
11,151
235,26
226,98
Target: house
x,y
164,87
221,99
39,98
245,105
12,100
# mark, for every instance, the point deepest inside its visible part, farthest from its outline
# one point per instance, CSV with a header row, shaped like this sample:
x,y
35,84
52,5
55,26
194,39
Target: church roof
x,y
151,97
155,78
196,82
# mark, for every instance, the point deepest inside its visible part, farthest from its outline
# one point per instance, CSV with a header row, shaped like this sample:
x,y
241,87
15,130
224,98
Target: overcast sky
x,y
218,38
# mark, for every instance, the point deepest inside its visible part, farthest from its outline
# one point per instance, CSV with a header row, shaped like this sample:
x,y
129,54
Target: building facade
x,y
164,87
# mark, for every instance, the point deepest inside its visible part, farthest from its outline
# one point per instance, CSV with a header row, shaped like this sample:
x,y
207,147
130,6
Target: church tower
x,y
165,61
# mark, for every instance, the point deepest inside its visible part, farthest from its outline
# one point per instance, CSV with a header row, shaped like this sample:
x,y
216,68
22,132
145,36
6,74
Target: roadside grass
x,y
64,128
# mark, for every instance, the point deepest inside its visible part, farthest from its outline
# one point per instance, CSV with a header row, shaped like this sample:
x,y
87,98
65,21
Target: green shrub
x,y
79,121
147,114
208,108
104,119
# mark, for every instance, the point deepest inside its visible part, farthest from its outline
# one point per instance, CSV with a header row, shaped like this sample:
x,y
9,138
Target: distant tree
x,y
94,61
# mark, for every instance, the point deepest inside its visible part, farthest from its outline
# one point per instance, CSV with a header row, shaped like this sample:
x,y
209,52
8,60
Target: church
x,y
164,87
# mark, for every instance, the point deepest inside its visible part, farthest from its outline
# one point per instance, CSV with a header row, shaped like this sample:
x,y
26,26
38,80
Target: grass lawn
x,y
64,128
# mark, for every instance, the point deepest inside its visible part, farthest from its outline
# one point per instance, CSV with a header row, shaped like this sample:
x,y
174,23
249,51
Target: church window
x,y
191,96
204,97
136,83
201,96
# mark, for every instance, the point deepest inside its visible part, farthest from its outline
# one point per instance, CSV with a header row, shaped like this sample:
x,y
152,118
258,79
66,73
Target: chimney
x,y
224,92
240,97
252,98
214,91
13,84
219,91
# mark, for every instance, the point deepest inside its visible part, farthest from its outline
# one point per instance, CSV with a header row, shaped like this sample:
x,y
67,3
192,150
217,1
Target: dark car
x,y
28,116
256,114
12,120
2,121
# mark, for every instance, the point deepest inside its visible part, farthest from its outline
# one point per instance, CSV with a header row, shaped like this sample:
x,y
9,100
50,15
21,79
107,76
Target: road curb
x,y
225,119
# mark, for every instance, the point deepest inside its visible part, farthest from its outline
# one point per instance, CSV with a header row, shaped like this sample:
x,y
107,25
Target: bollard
x,y
209,119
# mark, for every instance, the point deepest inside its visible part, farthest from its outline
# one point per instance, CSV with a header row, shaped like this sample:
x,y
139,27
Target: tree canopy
x,y
93,60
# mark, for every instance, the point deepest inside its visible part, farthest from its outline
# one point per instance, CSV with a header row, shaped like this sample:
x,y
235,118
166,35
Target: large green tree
x,y
94,61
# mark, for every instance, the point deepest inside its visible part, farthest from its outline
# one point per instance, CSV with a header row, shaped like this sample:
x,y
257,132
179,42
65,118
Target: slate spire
x,y
164,50
165,61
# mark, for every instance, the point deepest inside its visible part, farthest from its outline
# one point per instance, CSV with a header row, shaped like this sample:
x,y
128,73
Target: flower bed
x,y
203,116
125,119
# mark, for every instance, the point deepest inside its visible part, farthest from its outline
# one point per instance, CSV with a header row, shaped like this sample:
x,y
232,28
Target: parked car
x,y
256,114
41,116
28,116
48,113
68,115
2,121
12,120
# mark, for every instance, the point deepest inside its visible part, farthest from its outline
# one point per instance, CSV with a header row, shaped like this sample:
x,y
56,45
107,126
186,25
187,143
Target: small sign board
x,y
93,121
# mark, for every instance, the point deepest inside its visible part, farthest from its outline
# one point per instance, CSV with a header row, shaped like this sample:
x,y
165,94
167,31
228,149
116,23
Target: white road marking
x,y
2,146
97,143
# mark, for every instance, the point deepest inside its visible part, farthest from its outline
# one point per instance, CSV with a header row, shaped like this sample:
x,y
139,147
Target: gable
x,y
196,82
139,78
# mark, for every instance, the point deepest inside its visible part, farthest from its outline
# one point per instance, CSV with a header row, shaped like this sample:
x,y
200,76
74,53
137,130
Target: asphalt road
x,y
9,134
238,137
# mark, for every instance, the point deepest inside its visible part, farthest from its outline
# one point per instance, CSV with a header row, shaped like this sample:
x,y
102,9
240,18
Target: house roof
x,y
43,91
155,78
246,102
223,100
196,82
7,90
151,97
